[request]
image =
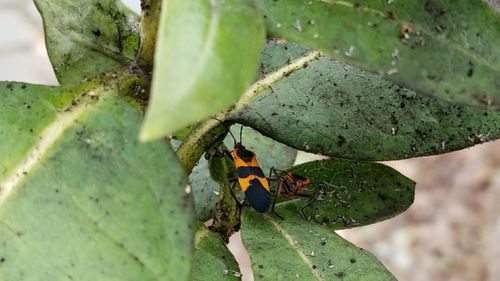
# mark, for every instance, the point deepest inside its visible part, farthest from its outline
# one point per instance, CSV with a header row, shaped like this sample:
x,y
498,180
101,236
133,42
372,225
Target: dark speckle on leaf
x,y
470,72
96,32
341,140
340,274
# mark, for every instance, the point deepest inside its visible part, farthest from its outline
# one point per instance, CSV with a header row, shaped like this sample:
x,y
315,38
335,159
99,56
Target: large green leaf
x,y
294,249
207,54
86,38
442,48
80,198
349,194
334,109
212,259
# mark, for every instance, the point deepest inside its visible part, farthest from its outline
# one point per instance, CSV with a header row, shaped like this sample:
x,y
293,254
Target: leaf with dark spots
x,y
76,183
424,45
105,37
349,194
295,249
376,119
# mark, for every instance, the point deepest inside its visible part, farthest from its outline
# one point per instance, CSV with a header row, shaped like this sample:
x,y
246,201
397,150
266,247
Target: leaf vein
x,y
299,251
47,139
33,250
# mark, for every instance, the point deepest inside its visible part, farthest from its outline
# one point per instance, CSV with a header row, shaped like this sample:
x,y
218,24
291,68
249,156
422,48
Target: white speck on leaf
x,y
392,71
297,25
350,52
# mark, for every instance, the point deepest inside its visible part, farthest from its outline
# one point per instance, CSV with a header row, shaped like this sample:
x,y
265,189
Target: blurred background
x,y
451,232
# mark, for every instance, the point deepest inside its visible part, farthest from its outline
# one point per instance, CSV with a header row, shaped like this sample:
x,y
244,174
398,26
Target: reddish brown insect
x,y
291,185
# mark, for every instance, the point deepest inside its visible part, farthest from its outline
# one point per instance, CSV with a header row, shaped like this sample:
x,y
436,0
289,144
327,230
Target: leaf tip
x,y
148,133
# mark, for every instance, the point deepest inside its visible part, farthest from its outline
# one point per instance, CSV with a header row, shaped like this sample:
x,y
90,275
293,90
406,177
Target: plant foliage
x,y
82,199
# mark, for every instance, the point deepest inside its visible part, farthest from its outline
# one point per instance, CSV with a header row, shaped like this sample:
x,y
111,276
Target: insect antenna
x,y
229,131
241,132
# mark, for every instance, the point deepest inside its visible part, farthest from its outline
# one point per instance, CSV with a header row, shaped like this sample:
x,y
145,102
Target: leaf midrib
x,y
84,41
289,239
53,132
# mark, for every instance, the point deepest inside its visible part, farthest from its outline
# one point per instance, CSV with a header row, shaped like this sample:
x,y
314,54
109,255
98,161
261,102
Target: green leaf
x,y
295,249
87,38
207,54
442,48
205,190
79,192
334,109
212,259
349,194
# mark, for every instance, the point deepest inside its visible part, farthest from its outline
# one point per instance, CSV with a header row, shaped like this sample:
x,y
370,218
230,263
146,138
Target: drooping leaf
x,y
212,259
294,249
79,192
439,47
207,54
334,109
348,194
86,38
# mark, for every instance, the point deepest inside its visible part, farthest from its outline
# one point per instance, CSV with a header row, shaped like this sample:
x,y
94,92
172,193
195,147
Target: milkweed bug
x,y
289,186
250,176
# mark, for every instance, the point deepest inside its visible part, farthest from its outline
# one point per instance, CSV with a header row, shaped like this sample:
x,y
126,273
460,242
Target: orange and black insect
x,y
251,178
289,186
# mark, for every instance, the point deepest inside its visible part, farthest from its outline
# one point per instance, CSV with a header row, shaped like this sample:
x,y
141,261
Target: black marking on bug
x,y
244,172
244,154
258,196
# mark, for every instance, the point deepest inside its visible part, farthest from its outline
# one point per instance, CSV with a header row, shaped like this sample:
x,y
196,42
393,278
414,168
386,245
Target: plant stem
x,y
207,132
151,10
201,138
256,88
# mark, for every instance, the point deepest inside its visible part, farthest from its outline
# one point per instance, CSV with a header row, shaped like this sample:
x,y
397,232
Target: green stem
x,y
151,10
203,136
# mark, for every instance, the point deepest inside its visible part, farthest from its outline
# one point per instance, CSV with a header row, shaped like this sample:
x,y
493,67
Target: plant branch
x,y
149,28
256,88
207,132
201,138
